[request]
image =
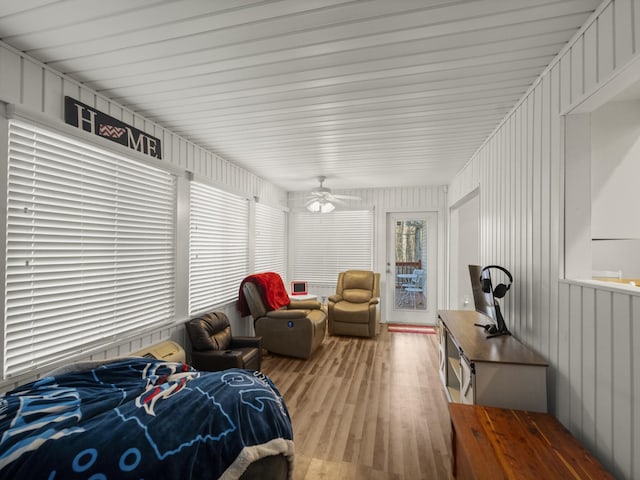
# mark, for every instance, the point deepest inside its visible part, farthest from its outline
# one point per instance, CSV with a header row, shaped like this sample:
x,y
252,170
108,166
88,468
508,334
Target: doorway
x,y
464,244
411,267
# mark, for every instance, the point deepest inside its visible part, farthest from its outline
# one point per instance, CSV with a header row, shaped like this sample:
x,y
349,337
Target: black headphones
x,y
499,291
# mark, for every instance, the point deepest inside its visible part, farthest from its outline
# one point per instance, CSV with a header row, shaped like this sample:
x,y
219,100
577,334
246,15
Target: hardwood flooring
x,y
367,408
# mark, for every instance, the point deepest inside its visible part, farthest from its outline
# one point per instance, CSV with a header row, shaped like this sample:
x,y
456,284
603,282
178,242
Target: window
x,y
602,224
326,244
219,247
270,239
90,248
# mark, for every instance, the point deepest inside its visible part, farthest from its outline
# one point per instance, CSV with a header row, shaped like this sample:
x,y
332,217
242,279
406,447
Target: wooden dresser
x,y
496,443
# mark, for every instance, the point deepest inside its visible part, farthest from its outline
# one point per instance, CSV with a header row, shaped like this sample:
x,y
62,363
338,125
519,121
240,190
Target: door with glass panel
x,y
411,267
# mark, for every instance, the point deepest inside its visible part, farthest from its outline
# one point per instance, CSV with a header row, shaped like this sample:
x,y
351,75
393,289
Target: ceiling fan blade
x,y
346,197
337,201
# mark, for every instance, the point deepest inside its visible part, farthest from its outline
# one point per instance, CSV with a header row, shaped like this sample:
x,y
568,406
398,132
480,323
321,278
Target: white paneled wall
x,y
589,334
39,91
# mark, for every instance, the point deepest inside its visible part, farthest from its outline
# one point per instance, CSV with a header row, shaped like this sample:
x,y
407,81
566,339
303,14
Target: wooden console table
x,y
495,443
499,372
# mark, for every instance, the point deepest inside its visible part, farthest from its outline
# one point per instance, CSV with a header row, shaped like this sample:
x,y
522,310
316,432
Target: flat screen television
x,y
485,302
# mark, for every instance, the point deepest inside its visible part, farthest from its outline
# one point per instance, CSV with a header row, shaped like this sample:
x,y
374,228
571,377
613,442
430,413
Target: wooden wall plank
x,y
623,31
89,97
513,132
604,377
635,9
10,76
635,383
518,293
606,53
53,95
32,85
590,58
575,347
537,244
577,70
545,216
622,386
527,233
102,104
127,116
565,85
555,203
562,389
587,403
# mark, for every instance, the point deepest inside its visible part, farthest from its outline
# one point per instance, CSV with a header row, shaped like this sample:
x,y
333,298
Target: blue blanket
x,y
141,419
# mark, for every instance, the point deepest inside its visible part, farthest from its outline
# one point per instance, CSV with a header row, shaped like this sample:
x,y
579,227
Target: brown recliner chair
x,y
295,330
213,348
354,309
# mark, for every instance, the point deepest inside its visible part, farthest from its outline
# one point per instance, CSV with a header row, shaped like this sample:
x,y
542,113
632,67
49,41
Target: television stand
x,y
502,372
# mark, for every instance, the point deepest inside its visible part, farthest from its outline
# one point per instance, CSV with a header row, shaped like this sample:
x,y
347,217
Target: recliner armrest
x,y
304,304
288,314
214,360
246,341
335,298
374,300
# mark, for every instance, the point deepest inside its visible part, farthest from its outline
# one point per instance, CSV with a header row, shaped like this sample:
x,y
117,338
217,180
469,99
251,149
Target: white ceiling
x,y
370,93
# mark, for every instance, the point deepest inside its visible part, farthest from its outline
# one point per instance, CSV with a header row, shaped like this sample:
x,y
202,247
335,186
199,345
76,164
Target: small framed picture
x,y
299,288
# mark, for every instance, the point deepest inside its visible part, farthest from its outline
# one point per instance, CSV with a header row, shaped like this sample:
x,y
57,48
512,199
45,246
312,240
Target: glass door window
x,y
411,267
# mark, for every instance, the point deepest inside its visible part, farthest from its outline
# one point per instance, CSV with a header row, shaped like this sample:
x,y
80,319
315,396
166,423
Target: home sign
x,y
91,120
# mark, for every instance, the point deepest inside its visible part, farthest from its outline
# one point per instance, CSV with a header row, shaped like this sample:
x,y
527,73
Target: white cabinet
x,y
498,372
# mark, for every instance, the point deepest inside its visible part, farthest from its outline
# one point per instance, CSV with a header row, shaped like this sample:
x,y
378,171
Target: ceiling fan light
x,y
321,206
314,206
327,207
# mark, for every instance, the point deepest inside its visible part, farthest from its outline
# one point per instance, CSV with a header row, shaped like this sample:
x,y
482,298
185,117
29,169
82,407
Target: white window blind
x,y
270,225
219,246
90,247
327,244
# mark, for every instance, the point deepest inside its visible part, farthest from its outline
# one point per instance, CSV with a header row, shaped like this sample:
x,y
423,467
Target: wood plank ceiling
x,y
370,93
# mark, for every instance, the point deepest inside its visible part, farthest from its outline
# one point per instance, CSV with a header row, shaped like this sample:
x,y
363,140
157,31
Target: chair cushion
x,y
357,286
351,312
356,295
361,279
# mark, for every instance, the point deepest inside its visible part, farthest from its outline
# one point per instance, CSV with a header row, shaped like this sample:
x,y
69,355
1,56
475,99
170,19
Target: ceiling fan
x,y
322,200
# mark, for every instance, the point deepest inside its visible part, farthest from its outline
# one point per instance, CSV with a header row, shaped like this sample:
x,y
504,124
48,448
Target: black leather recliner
x,y
213,348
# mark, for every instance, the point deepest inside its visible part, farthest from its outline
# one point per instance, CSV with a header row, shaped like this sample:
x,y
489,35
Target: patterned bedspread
x,y
141,419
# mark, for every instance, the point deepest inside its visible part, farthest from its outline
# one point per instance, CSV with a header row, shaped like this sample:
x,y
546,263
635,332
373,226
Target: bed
x,y
140,418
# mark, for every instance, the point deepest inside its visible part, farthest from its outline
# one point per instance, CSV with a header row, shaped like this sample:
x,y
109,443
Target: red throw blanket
x,y
272,289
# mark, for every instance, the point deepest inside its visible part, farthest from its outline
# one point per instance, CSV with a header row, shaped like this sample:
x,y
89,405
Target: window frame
x,y
169,210
222,280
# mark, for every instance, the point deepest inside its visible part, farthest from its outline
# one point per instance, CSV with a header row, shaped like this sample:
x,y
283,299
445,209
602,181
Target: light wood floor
x,y
367,408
